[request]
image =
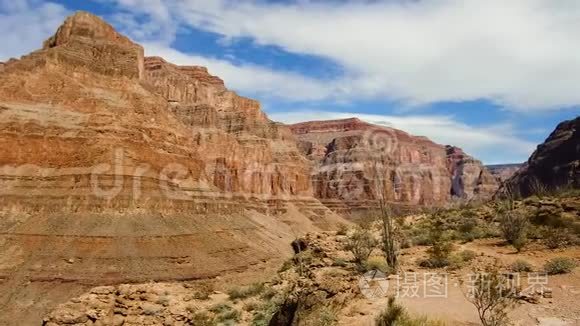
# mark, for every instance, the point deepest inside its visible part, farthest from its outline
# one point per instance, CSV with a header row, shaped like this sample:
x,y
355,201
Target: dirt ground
x,y
563,308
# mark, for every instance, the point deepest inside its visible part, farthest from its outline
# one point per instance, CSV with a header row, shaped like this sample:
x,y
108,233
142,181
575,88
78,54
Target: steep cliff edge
x,y
554,165
350,156
115,168
469,177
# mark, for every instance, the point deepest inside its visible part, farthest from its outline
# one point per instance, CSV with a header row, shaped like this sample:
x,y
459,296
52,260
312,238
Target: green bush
x,y
439,254
202,318
520,266
202,291
513,225
377,263
557,238
468,255
225,313
246,292
326,317
560,265
361,244
397,315
339,262
220,308
342,229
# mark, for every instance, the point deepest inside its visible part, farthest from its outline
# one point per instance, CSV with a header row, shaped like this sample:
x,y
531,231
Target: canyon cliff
x,y
554,165
116,167
354,161
503,172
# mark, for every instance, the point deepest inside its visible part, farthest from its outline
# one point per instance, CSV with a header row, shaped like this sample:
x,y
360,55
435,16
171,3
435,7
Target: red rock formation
x,y
554,165
351,155
469,178
120,168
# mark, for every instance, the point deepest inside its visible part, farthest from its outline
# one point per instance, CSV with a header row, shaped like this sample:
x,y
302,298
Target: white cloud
x,y
25,24
522,54
494,144
249,78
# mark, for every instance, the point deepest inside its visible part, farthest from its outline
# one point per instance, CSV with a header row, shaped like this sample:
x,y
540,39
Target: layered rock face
x,y
554,165
355,161
469,177
119,168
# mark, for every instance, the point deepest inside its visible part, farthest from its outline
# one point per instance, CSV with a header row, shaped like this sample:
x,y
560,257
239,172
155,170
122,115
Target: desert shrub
x,y
286,265
520,243
246,292
377,263
268,293
513,225
220,307
150,309
439,254
559,265
251,306
455,261
361,243
557,238
520,266
406,243
202,318
339,262
325,317
342,229
468,255
225,313
202,291
231,317
468,230
493,296
458,260
422,240
264,313
397,315
163,300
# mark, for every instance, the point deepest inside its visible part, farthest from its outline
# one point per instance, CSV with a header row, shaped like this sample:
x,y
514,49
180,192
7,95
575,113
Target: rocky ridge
x,y
554,165
350,155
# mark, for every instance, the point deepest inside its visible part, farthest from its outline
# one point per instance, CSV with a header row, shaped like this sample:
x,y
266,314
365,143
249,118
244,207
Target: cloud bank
x,y
520,54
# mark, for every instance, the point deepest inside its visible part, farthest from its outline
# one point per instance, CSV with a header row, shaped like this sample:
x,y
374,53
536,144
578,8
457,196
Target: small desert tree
x,y
493,295
390,226
361,243
513,224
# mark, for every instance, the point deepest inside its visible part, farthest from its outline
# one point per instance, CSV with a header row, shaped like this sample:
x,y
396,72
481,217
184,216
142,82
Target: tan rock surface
x,y
119,168
351,155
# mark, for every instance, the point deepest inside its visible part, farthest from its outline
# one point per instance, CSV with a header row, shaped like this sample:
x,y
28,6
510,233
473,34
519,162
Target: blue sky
x,y
492,77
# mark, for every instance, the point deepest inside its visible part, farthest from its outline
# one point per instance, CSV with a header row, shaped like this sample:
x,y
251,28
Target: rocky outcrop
x,y
350,156
503,172
119,168
355,161
554,165
469,177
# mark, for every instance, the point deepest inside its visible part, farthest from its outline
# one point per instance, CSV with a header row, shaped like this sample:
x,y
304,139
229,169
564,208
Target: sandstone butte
x,y
554,165
354,160
116,168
